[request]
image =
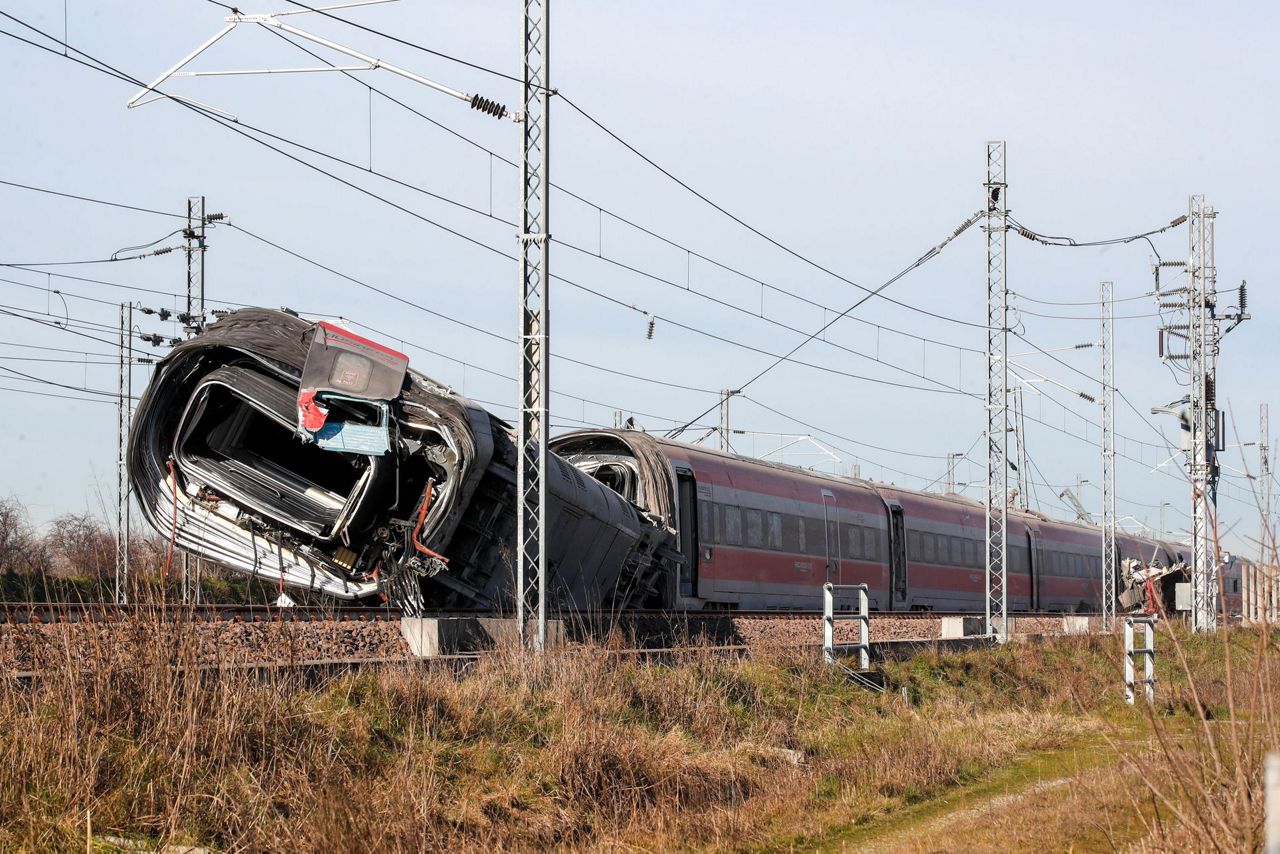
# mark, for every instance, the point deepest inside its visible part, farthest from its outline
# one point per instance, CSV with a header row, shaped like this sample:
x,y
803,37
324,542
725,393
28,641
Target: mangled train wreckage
x,y
301,453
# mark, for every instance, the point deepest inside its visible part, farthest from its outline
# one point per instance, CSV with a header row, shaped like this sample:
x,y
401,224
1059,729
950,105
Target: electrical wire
x,y
923,259
92,200
45,381
54,395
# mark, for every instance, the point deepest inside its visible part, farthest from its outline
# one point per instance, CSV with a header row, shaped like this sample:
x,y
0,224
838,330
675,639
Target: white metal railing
x,y
861,616
1148,653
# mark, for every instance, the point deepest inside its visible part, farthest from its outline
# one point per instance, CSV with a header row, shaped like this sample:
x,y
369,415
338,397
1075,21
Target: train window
x,y
718,534
930,548
774,530
871,544
957,551
799,520
814,537
915,550
733,525
706,527
755,527
970,552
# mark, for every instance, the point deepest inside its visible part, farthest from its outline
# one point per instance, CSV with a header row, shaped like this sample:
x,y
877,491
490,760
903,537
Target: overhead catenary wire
x,y
92,200
691,253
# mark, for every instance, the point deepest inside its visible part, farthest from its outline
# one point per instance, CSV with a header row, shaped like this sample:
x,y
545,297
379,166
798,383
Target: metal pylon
x,y
535,333
997,403
1203,345
124,412
194,236
1106,344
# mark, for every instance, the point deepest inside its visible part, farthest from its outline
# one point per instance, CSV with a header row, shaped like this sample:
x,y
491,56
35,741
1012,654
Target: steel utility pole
x,y
535,333
124,413
1203,344
193,320
997,403
1106,345
725,394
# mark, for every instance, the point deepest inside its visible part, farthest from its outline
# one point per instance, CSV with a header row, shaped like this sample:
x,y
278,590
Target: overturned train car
x,y
306,455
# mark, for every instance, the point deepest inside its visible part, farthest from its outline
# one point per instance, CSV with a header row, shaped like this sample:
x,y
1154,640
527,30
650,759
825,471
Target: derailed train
x,y
301,453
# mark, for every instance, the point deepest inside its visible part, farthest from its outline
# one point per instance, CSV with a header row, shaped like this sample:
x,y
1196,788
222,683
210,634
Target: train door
x,y
1033,564
687,502
831,527
898,587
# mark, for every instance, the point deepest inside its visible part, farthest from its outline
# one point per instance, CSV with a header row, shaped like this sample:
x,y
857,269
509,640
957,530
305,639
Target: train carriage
x,y
759,535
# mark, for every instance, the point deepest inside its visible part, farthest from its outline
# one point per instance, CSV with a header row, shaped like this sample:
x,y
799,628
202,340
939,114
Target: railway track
x,y
74,612
105,612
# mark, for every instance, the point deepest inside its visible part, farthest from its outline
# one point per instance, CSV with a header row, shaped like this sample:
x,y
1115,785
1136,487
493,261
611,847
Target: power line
x,y
91,199
590,204
58,396
597,254
45,381
923,259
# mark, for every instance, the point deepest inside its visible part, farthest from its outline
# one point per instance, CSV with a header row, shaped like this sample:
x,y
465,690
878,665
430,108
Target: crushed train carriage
x,y
306,455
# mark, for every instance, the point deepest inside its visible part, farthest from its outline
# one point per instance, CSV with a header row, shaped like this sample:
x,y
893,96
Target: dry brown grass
x,y
577,749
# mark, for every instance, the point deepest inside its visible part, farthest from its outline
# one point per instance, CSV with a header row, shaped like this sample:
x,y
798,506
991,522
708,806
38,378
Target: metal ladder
x,y
1148,653
830,649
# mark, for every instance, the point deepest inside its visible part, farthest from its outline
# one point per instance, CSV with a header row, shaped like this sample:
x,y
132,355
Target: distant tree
x,y
80,544
21,550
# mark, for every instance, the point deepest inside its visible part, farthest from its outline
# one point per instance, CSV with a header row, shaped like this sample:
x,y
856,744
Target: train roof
x,y
630,436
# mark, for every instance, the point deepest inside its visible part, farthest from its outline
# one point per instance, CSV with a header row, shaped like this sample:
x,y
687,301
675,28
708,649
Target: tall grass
x,y
580,748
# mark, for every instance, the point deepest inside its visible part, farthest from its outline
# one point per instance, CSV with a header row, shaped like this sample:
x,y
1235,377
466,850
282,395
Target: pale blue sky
x,y
852,132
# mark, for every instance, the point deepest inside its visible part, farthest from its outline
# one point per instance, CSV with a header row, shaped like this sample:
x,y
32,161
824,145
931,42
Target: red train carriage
x,y
757,535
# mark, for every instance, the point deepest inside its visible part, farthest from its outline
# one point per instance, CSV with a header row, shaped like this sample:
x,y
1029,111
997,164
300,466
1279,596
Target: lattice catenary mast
x,y
535,333
997,403
1106,345
124,413
193,319
1202,466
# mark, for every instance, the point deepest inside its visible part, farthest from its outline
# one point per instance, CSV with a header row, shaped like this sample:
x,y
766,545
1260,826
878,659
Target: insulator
x,y
218,217
1084,346
1088,397
1210,391
649,333
1173,305
492,108
1172,264
1179,221
1028,233
1244,297
165,251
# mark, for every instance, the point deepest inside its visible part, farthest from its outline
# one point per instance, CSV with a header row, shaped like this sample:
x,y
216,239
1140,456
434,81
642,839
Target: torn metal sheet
x,y
296,451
